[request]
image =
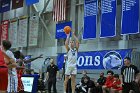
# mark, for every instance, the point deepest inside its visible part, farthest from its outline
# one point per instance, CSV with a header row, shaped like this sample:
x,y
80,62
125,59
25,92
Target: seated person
x,y
100,82
85,86
116,86
109,81
84,75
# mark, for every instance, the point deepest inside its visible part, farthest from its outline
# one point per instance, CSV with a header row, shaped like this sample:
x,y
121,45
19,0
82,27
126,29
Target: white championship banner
x,y
22,32
33,30
13,33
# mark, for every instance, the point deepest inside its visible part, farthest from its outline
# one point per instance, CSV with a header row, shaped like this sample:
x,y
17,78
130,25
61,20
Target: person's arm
x,y
98,82
63,70
58,75
9,60
12,64
20,67
122,76
77,41
47,75
32,59
67,42
7,57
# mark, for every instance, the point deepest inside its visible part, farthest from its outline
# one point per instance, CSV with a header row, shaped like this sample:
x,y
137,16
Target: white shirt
x,y
11,55
72,57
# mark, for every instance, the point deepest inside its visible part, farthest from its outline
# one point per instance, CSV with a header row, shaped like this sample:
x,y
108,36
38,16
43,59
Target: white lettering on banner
x,y
97,61
5,5
88,61
60,30
80,63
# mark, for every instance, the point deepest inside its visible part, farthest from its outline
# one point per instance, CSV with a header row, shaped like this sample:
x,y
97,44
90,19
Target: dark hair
x,y
6,44
110,71
116,76
18,55
128,58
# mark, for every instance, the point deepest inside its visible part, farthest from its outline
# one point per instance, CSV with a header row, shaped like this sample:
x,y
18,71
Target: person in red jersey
x,y
4,70
116,86
109,81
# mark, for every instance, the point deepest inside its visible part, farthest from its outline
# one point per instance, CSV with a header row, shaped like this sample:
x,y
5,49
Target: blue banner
x,y
106,59
108,18
130,16
90,19
4,5
31,2
60,29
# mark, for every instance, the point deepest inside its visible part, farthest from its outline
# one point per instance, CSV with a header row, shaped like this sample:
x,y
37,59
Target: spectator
x,y
129,73
109,81
84,75
52,72
100,82
116,86
86,86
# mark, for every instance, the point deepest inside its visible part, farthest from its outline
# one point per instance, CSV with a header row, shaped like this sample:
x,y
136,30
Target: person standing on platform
x,y
52,73
71,68
128,73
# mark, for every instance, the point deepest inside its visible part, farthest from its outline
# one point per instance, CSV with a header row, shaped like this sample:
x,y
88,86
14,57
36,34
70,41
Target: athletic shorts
x,y
12,83
3,78
71,71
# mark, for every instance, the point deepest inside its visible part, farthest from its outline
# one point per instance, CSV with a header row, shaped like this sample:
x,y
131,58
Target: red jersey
x,y
109,82
116,84
2,62
20,73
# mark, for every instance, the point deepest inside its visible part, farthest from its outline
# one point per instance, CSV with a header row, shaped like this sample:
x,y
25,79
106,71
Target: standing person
x,y
71,68
129,73
68,90
21,68
52,72
12,73
4,70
